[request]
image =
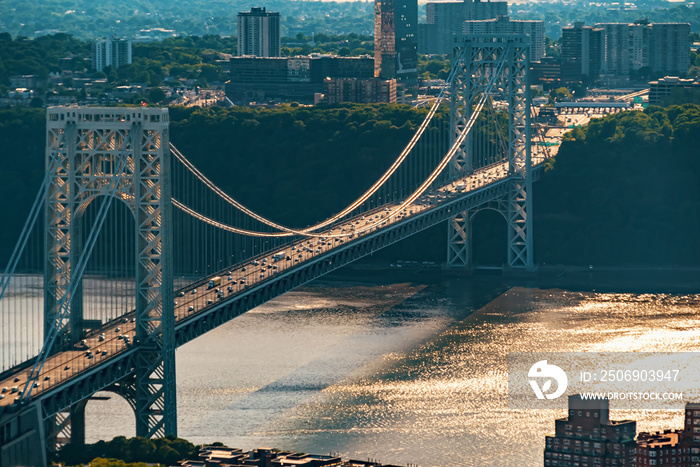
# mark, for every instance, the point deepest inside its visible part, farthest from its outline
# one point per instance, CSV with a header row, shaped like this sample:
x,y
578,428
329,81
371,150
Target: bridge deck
x,y
117,337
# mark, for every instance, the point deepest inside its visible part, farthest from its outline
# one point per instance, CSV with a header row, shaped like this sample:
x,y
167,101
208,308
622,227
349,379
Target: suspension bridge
x,y
130,251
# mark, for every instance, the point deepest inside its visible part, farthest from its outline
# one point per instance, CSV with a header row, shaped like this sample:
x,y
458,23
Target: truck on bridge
x,y
279,256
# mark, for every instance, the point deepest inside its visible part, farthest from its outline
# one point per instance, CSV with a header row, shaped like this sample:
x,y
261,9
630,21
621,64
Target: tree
x,y
561,94
141,449
168,455
156,95
210,73
536,92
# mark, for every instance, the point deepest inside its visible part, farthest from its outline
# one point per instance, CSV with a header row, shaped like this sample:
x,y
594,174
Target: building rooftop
x,y
218,456
659,439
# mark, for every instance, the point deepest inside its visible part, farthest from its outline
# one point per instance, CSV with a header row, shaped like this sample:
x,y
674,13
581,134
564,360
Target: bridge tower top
x,y
101,117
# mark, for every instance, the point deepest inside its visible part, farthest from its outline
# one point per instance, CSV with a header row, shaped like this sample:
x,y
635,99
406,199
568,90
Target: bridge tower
x,y
94,147
503,60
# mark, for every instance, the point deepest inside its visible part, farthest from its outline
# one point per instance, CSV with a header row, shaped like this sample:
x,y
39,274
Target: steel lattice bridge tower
x,y
483,54
184,257
116,154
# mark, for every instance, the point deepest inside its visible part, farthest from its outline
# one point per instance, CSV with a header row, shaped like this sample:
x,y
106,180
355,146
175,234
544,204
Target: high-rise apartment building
x,y
259,33
638,45
110,53
691,435
583,52
617,48
384,39
505,25
663,47
395,41
669,47
445,21
588,437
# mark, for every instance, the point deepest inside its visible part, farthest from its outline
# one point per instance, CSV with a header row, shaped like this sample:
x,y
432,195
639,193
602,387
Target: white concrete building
x,y
110,53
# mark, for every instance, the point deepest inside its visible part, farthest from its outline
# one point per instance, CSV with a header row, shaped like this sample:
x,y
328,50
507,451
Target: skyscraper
x,y
662,47
259,33
639,45
395,41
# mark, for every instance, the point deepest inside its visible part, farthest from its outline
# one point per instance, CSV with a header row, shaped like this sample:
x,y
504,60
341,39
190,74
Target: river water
x,y
402,373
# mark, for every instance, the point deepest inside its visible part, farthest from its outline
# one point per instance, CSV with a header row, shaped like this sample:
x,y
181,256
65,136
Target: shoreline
x,y
618,279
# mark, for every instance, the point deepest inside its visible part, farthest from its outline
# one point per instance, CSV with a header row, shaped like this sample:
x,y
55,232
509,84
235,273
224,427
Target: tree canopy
x,y
621,191
131,452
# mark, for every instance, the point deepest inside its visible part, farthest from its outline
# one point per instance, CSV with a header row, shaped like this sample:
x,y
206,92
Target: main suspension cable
x,y
359,201
415,195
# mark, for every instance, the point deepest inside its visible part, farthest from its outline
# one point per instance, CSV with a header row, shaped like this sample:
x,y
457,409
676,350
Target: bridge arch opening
x,y
109,414
108,283
489,238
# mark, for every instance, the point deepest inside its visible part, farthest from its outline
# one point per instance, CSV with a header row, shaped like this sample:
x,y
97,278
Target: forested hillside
x,y
622,191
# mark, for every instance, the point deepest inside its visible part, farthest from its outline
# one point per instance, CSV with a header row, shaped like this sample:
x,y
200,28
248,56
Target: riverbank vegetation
x,y
129,452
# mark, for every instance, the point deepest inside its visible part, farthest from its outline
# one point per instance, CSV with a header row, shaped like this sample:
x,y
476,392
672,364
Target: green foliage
x,y
350,45
182,57
694,71
40,56
101,462
156,95
434,67
552,48
622,191
132,452
128,18
561,94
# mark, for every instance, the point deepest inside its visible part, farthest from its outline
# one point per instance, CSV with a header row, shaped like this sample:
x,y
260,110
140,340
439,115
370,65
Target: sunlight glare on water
x,y
388,373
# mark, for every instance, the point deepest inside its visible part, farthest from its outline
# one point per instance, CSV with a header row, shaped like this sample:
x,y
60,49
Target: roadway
x,y
117,336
